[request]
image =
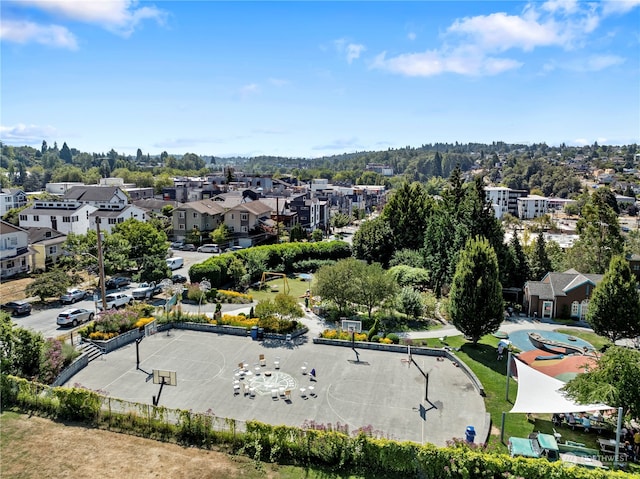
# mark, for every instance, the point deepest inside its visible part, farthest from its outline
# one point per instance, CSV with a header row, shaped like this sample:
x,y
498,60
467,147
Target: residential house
x,y
154,206
308,210
634,265
111,218
251,223
63,216
204,216
47,245
560,295
15,255
101,197
11,198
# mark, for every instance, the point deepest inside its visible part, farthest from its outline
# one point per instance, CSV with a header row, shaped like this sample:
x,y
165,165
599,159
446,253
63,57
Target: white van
x,y
175,263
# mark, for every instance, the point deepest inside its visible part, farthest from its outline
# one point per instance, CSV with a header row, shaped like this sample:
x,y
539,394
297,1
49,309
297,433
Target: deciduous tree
x,y
615,381
373,242
614,309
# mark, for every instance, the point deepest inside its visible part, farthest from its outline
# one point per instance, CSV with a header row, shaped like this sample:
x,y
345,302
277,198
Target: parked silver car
x,y
73,295
73,317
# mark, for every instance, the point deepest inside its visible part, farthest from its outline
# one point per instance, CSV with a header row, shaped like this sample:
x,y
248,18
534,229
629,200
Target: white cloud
x,y
610,7
339,144
351,51
28,32
279,82
553,6
500,32
117,16
600,62
29,134
411,36
248,90
431,63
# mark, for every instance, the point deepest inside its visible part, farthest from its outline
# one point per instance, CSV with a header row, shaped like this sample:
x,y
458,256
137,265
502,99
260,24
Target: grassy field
x,y
297,288
31,446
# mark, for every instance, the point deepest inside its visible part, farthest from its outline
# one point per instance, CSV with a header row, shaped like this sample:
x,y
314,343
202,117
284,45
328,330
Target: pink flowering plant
x,y
54,357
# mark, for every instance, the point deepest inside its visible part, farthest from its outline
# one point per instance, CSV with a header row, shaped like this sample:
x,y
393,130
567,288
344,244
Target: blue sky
x,y
308,79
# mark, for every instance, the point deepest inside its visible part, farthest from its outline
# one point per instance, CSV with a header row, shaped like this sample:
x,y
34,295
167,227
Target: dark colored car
x,y
178,278
17,308
189,247
117,282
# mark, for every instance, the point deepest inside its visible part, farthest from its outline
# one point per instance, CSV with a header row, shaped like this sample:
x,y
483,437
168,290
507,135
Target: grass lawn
x,y
592,338
297,288
492,373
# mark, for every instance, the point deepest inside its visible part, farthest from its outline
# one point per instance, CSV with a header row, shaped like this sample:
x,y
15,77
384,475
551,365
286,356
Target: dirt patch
x,y
37,447
13,289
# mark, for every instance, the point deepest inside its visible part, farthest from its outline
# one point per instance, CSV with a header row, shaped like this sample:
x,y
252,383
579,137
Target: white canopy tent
x,y
539,393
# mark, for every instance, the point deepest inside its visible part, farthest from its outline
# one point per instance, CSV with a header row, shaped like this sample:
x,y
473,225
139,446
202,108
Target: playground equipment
x,y
267,274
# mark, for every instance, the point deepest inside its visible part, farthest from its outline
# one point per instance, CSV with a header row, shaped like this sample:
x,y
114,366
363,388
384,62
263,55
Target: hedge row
x,y
283,258
361,454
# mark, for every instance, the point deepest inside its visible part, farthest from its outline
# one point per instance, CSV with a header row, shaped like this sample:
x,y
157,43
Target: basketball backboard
x,y
151,328
352,326
167,378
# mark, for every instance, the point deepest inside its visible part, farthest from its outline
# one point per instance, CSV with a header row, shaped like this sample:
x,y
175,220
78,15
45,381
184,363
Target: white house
x,y
110,218
15,255
102,197
498,196
11,198
63,216
532,206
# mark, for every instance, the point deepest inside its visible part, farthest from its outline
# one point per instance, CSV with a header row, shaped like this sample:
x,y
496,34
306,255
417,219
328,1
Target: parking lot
x,y
381,392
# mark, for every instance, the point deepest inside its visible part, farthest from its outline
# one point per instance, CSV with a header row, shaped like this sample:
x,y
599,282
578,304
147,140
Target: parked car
x,y
178,278
189,247
17,308
177,245
74,317
209,248
73,295
117,282
175,263
116,300
146,291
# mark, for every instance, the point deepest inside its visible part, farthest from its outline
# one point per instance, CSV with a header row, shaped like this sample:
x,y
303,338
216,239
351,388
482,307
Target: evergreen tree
x,y
65,153
406,213
476,305
437,165
518,273
539,263
614,309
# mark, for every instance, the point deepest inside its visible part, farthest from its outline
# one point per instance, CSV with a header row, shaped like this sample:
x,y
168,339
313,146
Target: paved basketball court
x,y
381,392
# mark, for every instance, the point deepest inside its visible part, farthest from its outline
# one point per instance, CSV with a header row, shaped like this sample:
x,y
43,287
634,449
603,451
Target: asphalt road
x,y
43,319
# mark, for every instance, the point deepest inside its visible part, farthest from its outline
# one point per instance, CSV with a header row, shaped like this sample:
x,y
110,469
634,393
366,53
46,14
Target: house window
x,y
10,264
244,216
120,220
195,215
180,214
112,221
74,219
180,227
53,249
575,308
36,218
66,219
244,229
23,217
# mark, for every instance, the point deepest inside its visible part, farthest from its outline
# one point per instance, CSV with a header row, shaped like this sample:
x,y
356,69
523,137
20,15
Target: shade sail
x,y
539,393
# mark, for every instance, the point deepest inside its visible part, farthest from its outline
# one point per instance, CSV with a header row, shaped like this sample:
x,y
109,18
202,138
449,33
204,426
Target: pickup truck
x,y
116,300
146,291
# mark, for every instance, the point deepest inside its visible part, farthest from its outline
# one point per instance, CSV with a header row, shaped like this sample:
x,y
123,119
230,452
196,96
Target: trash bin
x,y
470,434
260,334
254,332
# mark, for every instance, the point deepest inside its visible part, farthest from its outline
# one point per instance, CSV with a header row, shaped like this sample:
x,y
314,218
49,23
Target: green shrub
x,y
393,337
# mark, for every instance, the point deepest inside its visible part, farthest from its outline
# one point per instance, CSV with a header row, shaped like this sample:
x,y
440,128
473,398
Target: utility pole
x,y
103,288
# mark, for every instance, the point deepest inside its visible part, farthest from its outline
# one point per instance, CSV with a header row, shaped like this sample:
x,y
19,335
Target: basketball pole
x,y
426,380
